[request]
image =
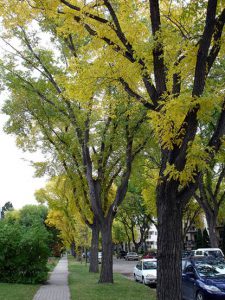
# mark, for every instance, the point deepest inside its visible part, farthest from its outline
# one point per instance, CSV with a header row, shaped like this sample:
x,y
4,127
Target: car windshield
x,y
206,270
149,265
215,253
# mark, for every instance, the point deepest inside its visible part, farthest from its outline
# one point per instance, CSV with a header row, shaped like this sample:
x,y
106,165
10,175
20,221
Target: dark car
x,y
121,254
203,279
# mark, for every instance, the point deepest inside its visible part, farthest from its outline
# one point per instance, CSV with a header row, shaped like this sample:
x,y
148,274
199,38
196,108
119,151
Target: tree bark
x,y
211,221
93,267
136,246
169,244
106,275
72,249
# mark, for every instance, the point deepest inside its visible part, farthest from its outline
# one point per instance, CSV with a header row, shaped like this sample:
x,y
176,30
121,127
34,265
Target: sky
x,y
17,183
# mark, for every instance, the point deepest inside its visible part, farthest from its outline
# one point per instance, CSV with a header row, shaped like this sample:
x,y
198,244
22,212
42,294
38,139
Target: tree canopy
x,y
160,54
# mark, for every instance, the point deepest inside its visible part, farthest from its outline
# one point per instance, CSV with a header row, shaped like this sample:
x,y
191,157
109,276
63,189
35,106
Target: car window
x,y
215,253
185,263
138,266
189,269
149,265
207,270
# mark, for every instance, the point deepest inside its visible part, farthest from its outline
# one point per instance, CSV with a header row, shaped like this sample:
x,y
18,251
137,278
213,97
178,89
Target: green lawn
x,y
85,286
9,291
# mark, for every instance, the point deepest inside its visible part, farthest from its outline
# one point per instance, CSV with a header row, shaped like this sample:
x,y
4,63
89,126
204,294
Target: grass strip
x,y
13,291
85,286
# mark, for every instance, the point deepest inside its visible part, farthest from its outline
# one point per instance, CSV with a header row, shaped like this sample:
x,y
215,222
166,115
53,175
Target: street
x,y
124,267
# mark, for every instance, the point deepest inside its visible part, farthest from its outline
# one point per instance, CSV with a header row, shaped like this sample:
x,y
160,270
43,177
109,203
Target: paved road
x,y
124,267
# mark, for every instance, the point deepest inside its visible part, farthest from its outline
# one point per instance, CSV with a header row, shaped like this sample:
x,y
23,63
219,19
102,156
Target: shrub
x,y
23,253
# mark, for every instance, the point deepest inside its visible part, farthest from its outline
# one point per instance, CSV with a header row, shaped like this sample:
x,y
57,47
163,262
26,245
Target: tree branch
x,y
158,52
135,95
204,44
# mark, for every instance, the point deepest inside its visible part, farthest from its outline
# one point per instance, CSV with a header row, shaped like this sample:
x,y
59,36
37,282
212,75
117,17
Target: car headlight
x,y
150,276
210,288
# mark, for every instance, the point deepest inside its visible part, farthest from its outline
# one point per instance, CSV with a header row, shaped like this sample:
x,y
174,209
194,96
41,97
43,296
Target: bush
x,y
23,253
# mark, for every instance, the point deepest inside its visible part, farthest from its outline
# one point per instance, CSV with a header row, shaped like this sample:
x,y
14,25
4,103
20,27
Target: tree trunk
x,y
72,249
94,248
169,244
106,275
136,246
211,222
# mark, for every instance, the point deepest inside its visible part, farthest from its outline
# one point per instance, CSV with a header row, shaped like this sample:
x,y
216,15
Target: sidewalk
x,y
56,287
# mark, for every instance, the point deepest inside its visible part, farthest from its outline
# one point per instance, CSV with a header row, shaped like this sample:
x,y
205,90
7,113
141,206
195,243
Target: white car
x,y
145,271
99,257
216,252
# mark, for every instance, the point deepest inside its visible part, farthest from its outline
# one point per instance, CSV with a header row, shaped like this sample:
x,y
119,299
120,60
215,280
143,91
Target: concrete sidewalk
x,y
56,287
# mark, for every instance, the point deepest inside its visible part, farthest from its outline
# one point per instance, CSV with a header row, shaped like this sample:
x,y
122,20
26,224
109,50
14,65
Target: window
x,y
190,269
138,266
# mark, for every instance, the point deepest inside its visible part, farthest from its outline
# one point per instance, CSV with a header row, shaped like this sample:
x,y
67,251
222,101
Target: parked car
x,y
149,255
216,252
187,253
203,279
121,254
132,256
99,257
146,271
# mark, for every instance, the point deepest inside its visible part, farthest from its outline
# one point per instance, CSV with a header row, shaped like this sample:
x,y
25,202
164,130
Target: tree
x,y
119,235
199,239
90,139
205,239
32,214
136,221
211,197
24,253
6,207
63,213
165,67
192,216
223,239
25,241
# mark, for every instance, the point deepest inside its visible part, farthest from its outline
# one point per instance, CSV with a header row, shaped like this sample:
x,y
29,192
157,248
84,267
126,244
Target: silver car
x,y
131,256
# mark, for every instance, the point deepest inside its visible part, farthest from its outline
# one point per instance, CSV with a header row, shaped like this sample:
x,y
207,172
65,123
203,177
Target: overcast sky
x,y
17,183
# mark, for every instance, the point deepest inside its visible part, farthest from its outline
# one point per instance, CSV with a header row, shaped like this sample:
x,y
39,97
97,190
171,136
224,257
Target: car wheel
x,y
200,296
135,278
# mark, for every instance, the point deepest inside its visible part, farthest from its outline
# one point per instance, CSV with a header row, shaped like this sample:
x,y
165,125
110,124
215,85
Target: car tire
x,y
200,296
135,278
